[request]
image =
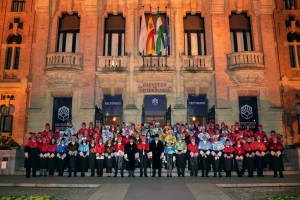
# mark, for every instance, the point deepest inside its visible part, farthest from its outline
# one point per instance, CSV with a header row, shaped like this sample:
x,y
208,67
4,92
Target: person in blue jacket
x,y
61,153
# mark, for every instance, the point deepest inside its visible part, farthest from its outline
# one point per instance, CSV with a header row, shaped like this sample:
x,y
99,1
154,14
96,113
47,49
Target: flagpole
x,y
166,31
144,50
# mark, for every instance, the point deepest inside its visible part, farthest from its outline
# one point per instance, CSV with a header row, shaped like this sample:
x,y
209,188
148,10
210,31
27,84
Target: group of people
x,y
144,146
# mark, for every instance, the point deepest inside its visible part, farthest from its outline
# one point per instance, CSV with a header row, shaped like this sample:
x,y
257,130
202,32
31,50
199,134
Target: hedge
x,y
284,198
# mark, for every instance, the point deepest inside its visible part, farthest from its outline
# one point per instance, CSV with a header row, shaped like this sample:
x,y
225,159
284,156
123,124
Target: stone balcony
x,y
63,69
113,64
155,64
246,67
195,64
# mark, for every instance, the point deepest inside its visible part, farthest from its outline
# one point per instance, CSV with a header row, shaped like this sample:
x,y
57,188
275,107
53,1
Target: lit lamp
x,y
114,119
194,118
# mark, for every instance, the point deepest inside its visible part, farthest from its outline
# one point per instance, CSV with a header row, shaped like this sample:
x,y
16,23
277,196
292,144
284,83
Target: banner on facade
x,y
248,112
155,87
112,105
62,113
155,105
197,105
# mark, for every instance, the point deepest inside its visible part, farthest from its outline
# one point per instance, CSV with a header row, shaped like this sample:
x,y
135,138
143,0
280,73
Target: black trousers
x,y
122,172
28,171
194,172
100,171
72,169
260,171
143,169
280,173
159,172
250,172
180,171
93,171
60,172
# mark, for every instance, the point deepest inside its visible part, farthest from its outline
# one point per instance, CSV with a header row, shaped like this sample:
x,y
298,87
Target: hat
x,y
191,125
193,137
217,136
61,132
207,124
217,125
127,131
258,135
107,126
91,123
97,128
157,123
273,132
179,135
227,140
202,127
32,135
132,124
83,123
109,139
47,124
128,124
224,131
146,124
226,126
167,127
174,126
57,128
237,124
156,135
62,139
260,127
151,125
169,141
119,138
138,126
223,124
170,131
83,138
196,122
80,135
112,124
248,124
131,138
186,124
86,130
143,137
232,126
241,131
70,123
274,136
212,123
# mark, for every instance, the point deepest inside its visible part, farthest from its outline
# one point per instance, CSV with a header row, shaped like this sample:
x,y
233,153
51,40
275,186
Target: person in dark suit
x,y
157,154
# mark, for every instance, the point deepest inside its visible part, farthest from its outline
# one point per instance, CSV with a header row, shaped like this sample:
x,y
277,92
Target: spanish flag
x,y
150,43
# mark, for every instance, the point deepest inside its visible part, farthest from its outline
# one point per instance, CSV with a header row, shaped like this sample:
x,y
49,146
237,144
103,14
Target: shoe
x,y
115,175
214,176
69,176
49,176
141,175
129,175
146,176
275,176
178,175
202,176
262,176
34,176
81,175
159,175
40,175
98,175
45,175
122,175
182,175
92,175
75,175
191,175
220,176
168,175
27,176
153,176
133,175
196,174
206,176
281,177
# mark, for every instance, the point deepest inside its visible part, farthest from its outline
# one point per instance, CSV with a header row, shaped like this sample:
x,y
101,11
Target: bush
x,y
28,198
7,142
284,198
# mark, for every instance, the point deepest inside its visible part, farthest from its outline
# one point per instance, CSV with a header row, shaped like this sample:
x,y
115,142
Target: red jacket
x,y
248,132
99,148
275,146
119,147
125,139
32,144
249,147
239,150
142,146
52,148
80,131
43,147
260,146
263,134
91,132
45,133
228,149
193,148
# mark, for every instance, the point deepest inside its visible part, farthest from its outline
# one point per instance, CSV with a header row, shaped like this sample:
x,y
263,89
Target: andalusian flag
x,y
160,39
150,44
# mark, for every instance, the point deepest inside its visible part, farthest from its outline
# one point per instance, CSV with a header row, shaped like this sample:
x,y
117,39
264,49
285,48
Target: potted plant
x,y
14,144
7,143
297,145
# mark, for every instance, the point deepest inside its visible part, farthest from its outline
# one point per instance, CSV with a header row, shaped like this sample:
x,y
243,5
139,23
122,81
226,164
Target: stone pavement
x,y
152,188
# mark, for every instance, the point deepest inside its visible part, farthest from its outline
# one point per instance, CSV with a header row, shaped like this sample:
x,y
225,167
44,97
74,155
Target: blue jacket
x,y
61,149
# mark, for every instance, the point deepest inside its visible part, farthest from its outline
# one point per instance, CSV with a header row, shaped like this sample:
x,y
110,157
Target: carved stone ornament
x,y
62,78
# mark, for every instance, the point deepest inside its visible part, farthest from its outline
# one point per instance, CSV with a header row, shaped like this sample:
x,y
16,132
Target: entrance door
x,y
112,109
155,108
197,109
62,113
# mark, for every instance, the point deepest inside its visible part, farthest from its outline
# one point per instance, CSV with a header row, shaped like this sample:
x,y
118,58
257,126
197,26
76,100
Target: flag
x,y
160,38
168,36
150,44
143,34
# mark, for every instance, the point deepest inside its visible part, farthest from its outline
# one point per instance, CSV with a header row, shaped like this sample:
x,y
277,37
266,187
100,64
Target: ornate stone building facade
x,y
222,54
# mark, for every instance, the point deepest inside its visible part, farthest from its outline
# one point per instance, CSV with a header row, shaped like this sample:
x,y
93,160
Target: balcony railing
x,y
197,63
64,60
113,63
155,61
246,59
18,6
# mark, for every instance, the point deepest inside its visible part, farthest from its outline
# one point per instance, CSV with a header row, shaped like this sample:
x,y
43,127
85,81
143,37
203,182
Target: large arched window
x,y
13,52
240,32
294,49
114,40
194,35
68,33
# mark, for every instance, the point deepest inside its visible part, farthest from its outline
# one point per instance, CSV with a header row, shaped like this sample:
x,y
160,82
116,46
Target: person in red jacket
x,y
276,149
43,148
47,129
91,129
239,158
119,156
81,131
31,156
260,152
194,152
125,139
248,132
271,139
143,151
51,156
56,134
261,132
100,151
86,134
249,149
39,138
228,153
241,137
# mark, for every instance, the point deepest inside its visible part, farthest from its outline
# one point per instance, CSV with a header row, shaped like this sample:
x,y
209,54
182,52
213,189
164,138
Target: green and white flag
x,y
160,39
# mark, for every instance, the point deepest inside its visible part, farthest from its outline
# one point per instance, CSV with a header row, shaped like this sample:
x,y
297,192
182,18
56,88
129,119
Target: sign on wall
x,y
197,105
155,87
112,105
62,113
155,105
248,112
